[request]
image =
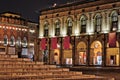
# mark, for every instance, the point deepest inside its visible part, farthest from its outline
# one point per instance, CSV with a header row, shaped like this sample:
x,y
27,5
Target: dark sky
x,y
28,8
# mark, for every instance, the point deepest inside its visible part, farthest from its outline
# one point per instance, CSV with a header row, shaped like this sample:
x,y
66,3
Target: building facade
x,y
17,35
87,33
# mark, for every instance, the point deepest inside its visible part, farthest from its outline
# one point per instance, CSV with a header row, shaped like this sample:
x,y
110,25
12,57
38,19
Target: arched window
x,y
5,40
98,23
24,44
83,24
46,29
12,41
114,21
19,42
69,26
57,28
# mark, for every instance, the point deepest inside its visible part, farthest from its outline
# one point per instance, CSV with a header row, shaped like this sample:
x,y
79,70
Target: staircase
x,y
14,68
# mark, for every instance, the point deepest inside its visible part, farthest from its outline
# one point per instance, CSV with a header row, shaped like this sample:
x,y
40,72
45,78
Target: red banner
x,y
54,43
112,39
43,44
66,42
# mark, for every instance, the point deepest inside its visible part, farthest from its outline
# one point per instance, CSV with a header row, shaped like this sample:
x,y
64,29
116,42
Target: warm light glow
x,y
7,27
32,31
19,28
3,26
31,44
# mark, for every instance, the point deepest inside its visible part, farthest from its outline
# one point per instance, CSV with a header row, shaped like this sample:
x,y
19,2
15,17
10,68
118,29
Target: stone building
x,y
17,34
84,32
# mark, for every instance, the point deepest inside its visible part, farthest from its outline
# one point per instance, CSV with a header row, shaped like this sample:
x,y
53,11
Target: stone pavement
x,y
109,72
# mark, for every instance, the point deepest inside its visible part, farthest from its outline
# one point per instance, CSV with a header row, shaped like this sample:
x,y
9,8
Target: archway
x,y
67,56
96,53
112,55
81,53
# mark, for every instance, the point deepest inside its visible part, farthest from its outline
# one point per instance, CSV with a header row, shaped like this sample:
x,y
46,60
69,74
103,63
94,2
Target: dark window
x,y
83,25
46,30
57,28
69,28
114,25
98,22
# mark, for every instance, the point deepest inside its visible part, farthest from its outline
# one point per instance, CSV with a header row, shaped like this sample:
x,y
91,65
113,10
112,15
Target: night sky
x,y
29,9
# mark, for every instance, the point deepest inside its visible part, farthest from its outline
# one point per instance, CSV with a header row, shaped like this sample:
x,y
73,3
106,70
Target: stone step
x,y
54,77
8,56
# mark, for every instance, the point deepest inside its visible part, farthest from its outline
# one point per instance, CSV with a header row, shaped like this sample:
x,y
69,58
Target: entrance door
x,y
96,53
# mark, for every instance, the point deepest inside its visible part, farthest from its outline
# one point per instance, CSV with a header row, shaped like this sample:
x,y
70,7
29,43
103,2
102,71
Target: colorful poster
x,y
43,44
66,42
54,43
112,39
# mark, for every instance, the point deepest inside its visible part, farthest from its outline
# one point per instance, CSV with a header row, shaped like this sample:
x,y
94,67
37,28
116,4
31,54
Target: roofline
x,y
68,5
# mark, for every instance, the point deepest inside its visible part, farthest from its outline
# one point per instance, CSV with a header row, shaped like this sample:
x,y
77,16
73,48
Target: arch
x,y
97,14
69,18
98,44
83,16
57,20
46,22
114,12
81,45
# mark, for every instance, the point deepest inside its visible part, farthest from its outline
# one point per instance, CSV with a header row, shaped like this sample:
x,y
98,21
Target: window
x,y
19,42
98,22
12,41
46,30
57,28
114,23
83,25
5,40
24,42
69,27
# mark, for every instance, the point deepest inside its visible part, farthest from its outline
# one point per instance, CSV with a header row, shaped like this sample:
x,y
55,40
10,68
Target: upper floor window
x,y
114,21
19,42
57,28
12,41
98,23
83,24
5,40
46,29
69,26
24,44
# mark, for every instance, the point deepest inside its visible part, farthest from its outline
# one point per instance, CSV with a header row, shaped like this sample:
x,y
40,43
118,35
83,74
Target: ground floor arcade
x,y
90,50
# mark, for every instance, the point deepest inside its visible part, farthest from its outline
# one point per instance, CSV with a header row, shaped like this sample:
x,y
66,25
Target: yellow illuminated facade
x,y
89,24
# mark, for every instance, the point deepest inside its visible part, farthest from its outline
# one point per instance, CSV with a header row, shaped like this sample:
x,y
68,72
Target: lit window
x,y
83,24
5,40
46,29
114,25
98,22
12,41
57,28
69,26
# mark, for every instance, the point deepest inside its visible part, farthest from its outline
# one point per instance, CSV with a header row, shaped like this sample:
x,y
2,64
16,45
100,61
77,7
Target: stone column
x,y
103,22
118,23
107,21
88,24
